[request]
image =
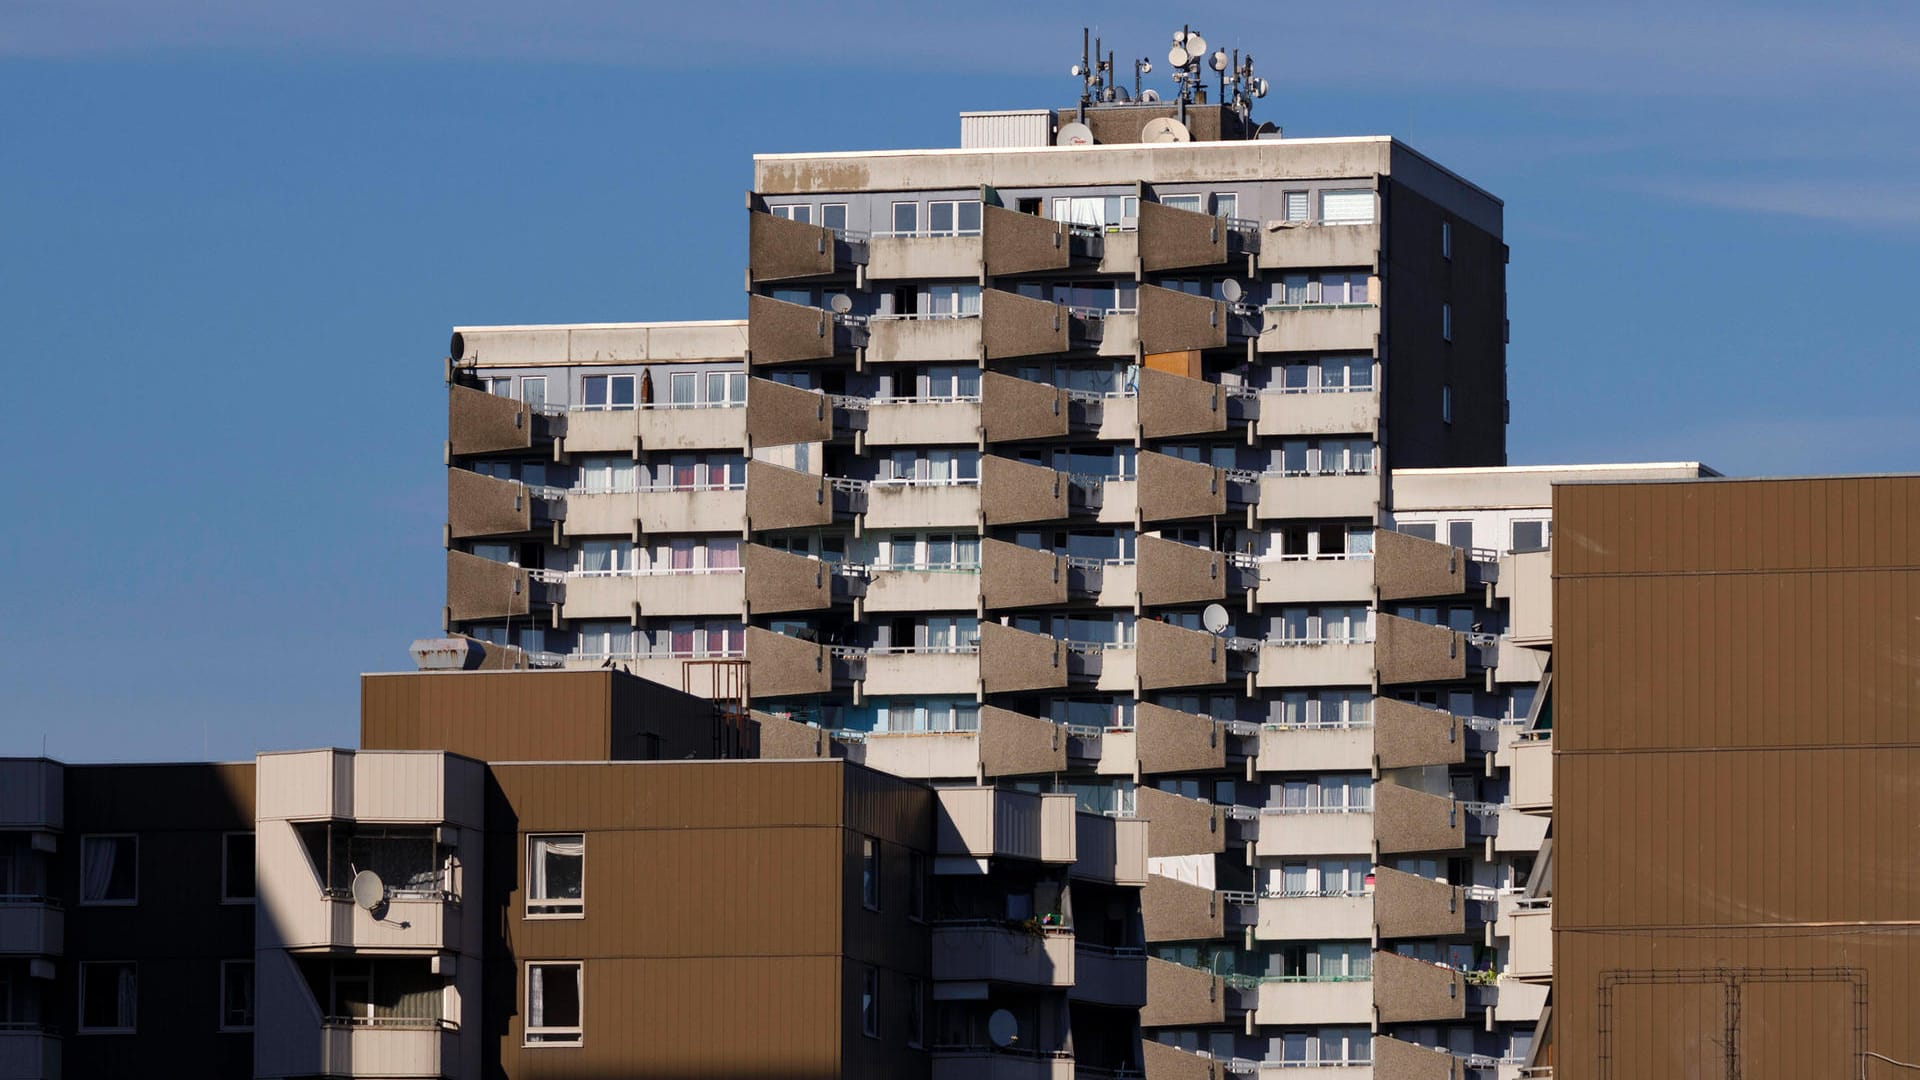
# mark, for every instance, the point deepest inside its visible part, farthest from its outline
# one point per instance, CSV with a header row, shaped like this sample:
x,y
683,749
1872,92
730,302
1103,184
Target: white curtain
x,y
1346,207
536,997
124,996
97,872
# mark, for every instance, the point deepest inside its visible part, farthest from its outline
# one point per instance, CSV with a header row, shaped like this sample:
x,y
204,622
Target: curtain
x,y
124,996
723,554
557,868
536,996
97,871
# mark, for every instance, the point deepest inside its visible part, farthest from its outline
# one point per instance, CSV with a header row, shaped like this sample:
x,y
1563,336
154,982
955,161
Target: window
x,y
1446,322
916,1013
1100,211
954,218
1424,530
605,637
802,214
1344,288
533,390
1226,204
1446,404
556,875
906,218
108,992
1529,536
1460,534
236,995
553,1004
834,216
1195,203
499,386
407,858
605,475
870,1004
870,872
1294,206
926,714
917,886
953,301
726,388
1446,239
601,557
236,880
606,391
109,870
1348,207
683,389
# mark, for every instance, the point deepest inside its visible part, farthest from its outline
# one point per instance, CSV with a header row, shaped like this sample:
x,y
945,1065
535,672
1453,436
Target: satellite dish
x,y
1195,44
1179,57
841,303
1215,619
1074,134
369,891
1122,93
1232,290
1149,96
1218,61
1002,1028
1259,88
1076,70
1165,130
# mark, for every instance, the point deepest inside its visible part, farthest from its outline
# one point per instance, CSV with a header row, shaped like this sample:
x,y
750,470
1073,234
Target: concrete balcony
x,y
1012,492
1012,576
1110,849
1115,977
1315,1071
1314,918
989,823
1408,905
780,581
483,423
483,506
1297,1002
1172,910
924,339
1115,583
785,666
922,671
409,923
1284,834
32,928
983,1063
657,427
1017,243
1396,1060
1342,413
915,423
1526,583
782,333
1517,830
1288,749
1406,820
1168,740
1407,567
1406,735
891,589
1516,663
693,510
1116,501
33,797
1172,321
1007,744
1328,663
1021,326
1310,245
782,498
1171,489
1288,580
1328,495
1012,409
29,1054
1170,405
1517,1002
1171,572
1409,651
1182,996
780,415
993,952
621,596
1015,660
1179,825
1409,991
1320,328
1171,238
1531,778
901,258
430,1049
480,588
1530,941
924,505
779,249
1172,656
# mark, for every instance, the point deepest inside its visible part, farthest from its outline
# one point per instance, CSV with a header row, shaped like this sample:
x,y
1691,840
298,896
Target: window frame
x,y
870,1002
80,1014
870,892
253,997
1446,240
562,907
1446,322
131,902
226,884
894,218
578,1031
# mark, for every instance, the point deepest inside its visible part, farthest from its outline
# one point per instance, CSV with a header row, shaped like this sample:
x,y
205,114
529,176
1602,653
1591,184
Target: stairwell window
x,y
555,1006
1446,322
556,876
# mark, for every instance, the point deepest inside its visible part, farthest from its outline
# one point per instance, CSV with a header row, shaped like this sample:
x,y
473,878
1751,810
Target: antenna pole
x,y
1084,32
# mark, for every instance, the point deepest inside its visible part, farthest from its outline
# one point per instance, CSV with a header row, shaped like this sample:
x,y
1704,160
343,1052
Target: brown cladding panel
x,y
487,715
483,423
780,250
1171,488
483,506
1176,239
780,581
1014,325
1171,404
780,415
1173,321
1012,409
1016,243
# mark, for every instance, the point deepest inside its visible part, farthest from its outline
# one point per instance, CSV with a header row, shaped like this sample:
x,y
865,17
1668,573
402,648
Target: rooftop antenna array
x,y
1236,86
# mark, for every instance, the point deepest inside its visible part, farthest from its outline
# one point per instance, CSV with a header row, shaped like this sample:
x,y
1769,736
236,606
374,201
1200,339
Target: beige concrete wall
x,y
1110,849
1530,954
1314,918
1284,835
1162,1062
779,737
1297,581
1294,1003
663,429
897,258
1396,1060
1120,499
599,514
1319,497
1283,749
1315,665
1526,583
924,341
692,511
922,673
1288,247
923,590
923,506
1355,413
602,431
600,343
924,755
1320,328
896,423
1532,776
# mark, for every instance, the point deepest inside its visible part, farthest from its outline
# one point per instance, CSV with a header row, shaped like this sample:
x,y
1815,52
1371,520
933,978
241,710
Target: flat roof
x,y
1503,470
503,327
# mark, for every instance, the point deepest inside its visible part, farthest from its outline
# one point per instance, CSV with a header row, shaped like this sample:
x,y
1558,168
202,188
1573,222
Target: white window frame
x,y
499,385
226,892
80,1014
840,206
1221,201
893,220
253,1005
527,381
577,1032
800,212
135,899
547,907
954,207
1306,206
1372,210
1190,201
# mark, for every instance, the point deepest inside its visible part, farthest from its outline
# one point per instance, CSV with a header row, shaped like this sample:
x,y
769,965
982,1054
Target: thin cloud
x,y
1830,200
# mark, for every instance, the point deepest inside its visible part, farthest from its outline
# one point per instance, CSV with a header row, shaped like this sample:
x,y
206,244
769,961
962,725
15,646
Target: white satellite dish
x,y
841,303
1149,96
1233,290
1195,45
369,891
1215,619
1179,57
1074,134
1165,130
1002,1028
1218,61
1259,88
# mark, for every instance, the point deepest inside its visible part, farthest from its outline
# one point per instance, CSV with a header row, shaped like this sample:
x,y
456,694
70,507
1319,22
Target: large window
x,y
1327,1046
604,637
801,213
906,218
607,391
1324,709
109,869
236,995
406,858
932,466
1316,624
108,996
556,875
1327,287
926,714
236,881
1529,535
1353,206
1332,793
1325,877
1324,457
1111,212
554,1011
605,475
954,217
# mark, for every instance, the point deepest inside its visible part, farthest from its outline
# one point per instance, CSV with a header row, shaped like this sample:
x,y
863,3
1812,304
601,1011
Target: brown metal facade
x,y
1733,776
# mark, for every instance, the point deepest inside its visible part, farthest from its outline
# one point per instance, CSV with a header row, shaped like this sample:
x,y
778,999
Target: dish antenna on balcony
x,y
369,891
1002,1028
1233,291
840,302
1215,619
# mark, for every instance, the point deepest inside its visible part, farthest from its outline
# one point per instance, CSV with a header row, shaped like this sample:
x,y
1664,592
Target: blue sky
x,y
233,237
